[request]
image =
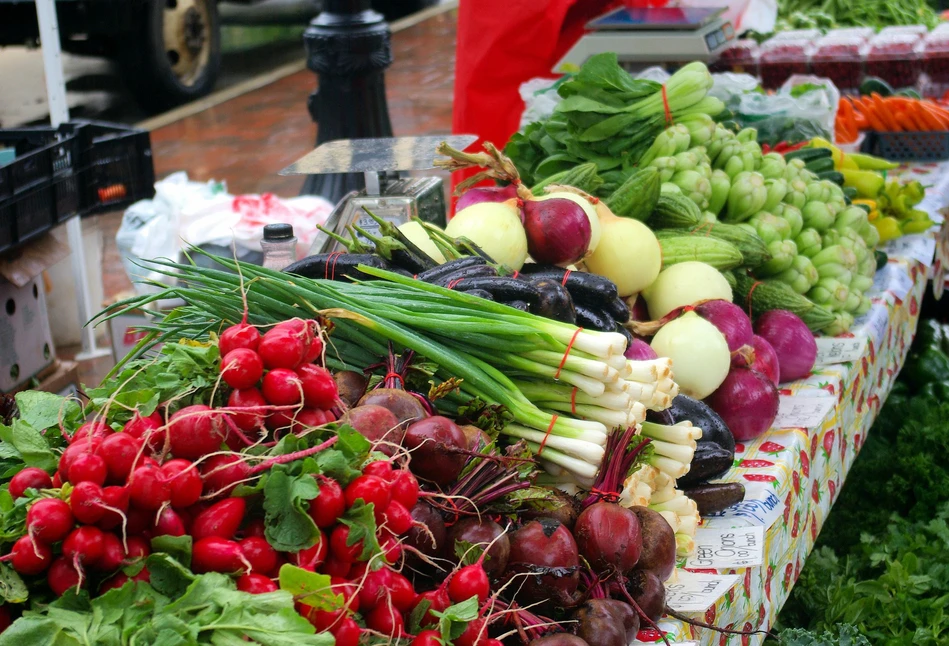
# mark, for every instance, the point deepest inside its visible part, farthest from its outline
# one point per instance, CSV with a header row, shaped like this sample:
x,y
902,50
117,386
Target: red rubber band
x,y
566,274
750,292
394,374
553,420
414,276
665,106
515,274
573,400
329,273
605,496
451,283
567,352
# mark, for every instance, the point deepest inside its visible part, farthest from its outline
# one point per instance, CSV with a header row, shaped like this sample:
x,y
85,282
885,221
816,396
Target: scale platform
x,y
645,36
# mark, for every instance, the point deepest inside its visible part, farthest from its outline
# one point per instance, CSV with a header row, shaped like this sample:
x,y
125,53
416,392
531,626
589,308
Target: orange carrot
x,y
884,113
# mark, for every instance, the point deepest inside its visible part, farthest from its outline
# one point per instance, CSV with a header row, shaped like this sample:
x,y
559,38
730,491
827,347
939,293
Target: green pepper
x,y
938,390
929,334
931,364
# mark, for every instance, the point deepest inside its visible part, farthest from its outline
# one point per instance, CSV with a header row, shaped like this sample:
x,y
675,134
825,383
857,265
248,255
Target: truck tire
x,y
173,54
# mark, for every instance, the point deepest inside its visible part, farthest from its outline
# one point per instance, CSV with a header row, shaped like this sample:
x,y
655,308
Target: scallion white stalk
x,y
579,468
673,468
683,433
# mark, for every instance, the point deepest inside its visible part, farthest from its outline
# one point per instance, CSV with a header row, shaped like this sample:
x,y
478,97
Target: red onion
x,y
766,359
638,311
730,320
746,401
792,342
486,194
559,230
639,350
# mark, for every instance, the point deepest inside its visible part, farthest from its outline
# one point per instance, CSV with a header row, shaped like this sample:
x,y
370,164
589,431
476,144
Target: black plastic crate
x,y
7,227
35,212
908,146
116,167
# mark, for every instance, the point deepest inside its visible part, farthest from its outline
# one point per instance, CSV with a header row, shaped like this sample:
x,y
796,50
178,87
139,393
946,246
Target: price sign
x,y
874,322
761,507
799,411
727,548
839,349
697,591
921,247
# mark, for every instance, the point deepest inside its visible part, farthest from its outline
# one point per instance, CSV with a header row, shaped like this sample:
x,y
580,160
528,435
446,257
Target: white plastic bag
x,y
540,98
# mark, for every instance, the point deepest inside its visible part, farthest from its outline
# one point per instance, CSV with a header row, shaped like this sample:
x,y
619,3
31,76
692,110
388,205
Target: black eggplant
x,y
583,287
474,271
335,266
713,498
618,309
555,302
503,288
435,273
594,319
709,462
622,330
701,415
519,305
480,293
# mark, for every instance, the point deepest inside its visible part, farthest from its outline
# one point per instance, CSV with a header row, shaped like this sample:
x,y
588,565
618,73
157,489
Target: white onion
x,y
699,353
496,228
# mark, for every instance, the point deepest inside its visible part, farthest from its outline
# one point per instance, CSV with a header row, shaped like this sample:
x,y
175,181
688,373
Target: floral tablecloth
x,y
794,472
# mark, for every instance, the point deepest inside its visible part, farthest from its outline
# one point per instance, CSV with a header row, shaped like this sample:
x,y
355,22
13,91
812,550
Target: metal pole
x,y
59,114
348,47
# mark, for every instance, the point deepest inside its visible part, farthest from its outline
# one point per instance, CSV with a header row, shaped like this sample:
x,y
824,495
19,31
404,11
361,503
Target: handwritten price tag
x,y
803,412
874,322
921,247
839,350
761,507
696,591
727,548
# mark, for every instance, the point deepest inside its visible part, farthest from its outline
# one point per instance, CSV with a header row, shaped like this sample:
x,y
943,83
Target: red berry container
x,y
863,33
781,58
840,59
796,34
936,56
895,58
740,57
916,30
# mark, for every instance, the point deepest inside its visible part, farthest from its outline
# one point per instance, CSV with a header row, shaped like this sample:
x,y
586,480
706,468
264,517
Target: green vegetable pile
x,y
882,562
825,14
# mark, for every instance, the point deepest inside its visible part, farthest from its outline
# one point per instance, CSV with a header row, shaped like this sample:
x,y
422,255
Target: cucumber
x,y
674,210
637,196
807,155
834,176
821,165
908,92
873,84
851,193
767,295
752,248
711,251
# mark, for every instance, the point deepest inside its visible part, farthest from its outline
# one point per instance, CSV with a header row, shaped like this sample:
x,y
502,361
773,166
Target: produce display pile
x,y
504,432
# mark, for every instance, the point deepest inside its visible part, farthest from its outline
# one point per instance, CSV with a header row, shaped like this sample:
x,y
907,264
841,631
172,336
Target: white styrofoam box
x,y
63,306
26,344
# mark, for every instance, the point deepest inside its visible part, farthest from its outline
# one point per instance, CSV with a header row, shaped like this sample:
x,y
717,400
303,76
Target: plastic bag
x,y
540,98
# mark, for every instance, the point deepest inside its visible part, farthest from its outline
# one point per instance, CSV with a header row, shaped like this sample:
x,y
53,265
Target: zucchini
x,y
821,165
767,295
637,196
581,176
908,92
834,176
711,251
873,84
850,192
674,210
754,251
807,155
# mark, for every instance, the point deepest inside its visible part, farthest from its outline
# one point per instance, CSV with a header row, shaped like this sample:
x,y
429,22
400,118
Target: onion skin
x,y
558,231
730,320
766,359
639,350
480,194
792,342
747,401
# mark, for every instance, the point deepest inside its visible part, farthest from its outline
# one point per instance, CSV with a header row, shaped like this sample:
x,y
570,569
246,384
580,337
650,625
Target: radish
x,y
91,431
335,567
340,547
115,502
88,467
609,537
195,431
283,387
319,387
261,556
255,527
71,453
371,490
396,518
138,548
404,488
242,368
400,592
215,554
49,520
113,554
185,482
282,348
473,635
86,502
57,480
347,632
380,469
114,582
249,401
30,557
311,418
221,519
427,638
140,522
62,576
470,581
29,478
84,546
145,428
313,557
120,451
255,584
375,587
391,548
329,504
349,591
148,488
221,473
438,601
386,620
237,336
169,523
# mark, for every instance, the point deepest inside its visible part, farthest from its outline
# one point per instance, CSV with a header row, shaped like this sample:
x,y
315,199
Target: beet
x,y
405,407
477,439
545,549
351,386
648,592
563,507
482,532
429,542
560,639
432,442
378,425
606,622
659,543
609,537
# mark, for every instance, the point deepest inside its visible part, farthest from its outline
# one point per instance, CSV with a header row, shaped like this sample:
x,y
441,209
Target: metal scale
x,y
643,37
392,198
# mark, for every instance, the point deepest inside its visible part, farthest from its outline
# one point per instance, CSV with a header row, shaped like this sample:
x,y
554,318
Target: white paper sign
x,y
727,548
900,284
875,322
799,411
696,591
839,349
921,247
761,507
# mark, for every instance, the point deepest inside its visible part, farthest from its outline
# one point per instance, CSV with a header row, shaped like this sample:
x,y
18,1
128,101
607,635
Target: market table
x,y
749,556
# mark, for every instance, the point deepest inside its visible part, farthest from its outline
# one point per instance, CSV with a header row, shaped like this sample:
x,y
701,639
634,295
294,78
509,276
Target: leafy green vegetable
x,y
362,527
453,621
846,635
289,527
309,588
